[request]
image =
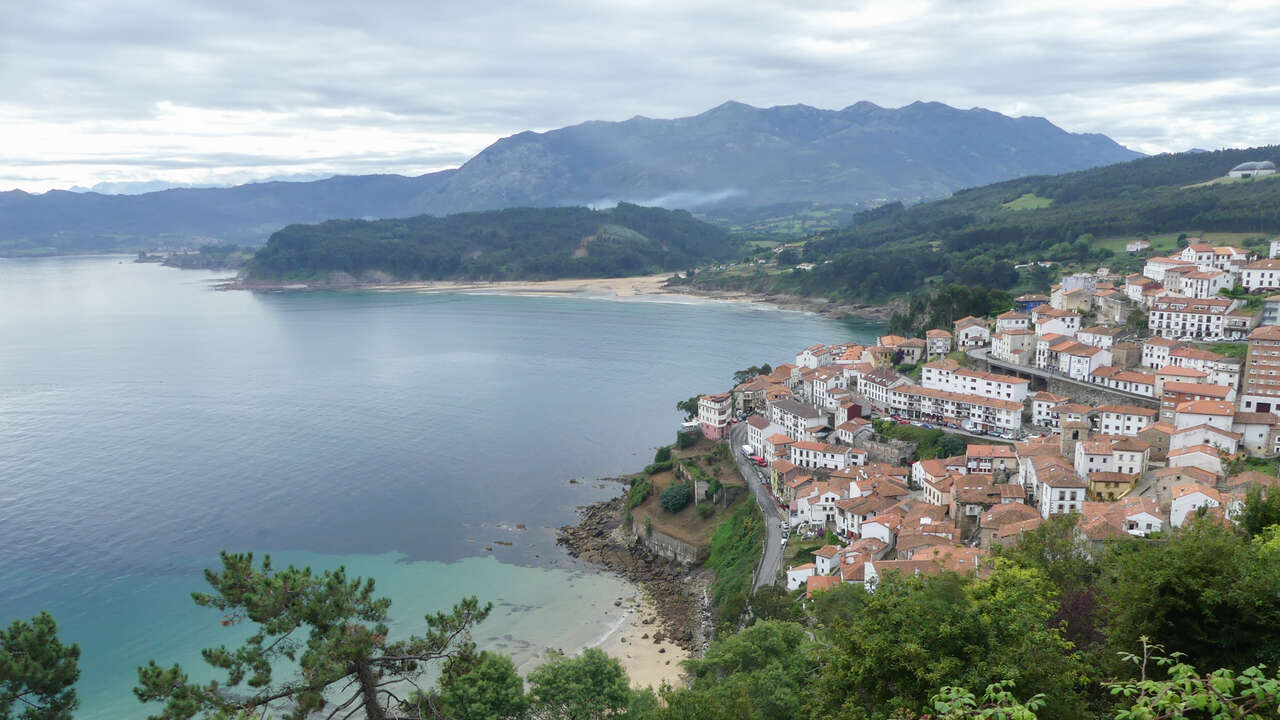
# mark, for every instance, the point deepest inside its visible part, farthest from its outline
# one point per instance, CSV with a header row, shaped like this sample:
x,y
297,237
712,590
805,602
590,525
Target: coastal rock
x,y
676,591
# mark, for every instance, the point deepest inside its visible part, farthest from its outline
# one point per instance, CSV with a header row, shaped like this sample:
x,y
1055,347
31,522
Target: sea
x,y
432,442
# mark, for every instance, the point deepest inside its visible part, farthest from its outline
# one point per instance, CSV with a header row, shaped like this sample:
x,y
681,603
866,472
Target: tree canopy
x,y
520,243
330,628
37,671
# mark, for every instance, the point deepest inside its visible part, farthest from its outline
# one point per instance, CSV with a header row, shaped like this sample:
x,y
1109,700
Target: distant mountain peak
x,y
733,155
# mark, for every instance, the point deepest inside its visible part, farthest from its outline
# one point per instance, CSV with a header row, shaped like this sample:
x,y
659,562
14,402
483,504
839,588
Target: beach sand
x,y
618,287
648,663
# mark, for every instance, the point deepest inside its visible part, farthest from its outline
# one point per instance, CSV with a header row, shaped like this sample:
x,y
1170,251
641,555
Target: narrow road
x,y
767,571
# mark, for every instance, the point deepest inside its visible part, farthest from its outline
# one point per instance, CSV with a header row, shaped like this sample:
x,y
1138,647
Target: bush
x,y
705,511
735,548
675,498
663,454
686,439
638,492
658,467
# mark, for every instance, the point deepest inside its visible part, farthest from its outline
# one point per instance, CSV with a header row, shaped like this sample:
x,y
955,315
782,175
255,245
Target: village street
x,y
771,565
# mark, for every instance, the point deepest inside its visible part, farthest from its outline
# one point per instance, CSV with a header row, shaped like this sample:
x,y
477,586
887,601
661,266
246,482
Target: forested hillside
x,y
977,236
522,243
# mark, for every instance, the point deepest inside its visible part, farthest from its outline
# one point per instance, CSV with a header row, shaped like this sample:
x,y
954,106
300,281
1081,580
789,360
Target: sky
x,y
228,91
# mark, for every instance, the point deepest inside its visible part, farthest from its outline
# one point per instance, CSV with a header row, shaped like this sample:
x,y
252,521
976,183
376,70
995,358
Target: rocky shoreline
x,y
678,593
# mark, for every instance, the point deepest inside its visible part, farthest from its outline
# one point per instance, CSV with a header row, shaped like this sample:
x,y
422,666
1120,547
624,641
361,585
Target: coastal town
x,y
1134,403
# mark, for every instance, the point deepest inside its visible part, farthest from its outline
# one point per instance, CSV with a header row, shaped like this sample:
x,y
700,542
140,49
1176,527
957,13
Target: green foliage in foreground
x,y
331,629
519,243
735,549
592,685
1009,644
491,690
37,671
1180,693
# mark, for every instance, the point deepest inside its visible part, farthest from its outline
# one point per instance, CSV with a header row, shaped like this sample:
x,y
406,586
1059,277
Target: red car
x,y
758,460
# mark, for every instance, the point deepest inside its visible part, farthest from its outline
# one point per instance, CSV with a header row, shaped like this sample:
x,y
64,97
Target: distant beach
x,y
624,288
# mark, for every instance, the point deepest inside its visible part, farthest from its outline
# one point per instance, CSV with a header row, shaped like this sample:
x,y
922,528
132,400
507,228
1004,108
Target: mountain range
x,y
733,155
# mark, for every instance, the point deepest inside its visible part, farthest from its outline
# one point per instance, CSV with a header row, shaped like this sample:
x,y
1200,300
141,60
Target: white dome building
x,y
1253,169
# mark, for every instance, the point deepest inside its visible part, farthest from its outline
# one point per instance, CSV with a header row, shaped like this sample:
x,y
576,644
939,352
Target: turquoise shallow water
x,y
147,421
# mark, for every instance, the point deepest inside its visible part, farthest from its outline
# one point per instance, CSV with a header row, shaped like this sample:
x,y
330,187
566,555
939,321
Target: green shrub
x,y
658,467
663,454
686,439
675,498
638,492
705,511
735,548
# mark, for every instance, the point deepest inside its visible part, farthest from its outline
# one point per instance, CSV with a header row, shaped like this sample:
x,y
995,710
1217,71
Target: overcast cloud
x,y
207,91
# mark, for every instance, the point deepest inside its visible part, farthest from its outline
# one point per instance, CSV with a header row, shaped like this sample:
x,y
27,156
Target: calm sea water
x,y
147,422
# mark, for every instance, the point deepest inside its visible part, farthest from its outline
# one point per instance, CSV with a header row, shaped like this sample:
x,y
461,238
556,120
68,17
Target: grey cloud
x,y
431,69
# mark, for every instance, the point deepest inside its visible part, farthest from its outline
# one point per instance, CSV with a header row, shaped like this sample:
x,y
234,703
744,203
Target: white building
x,y
800,419
1255,168
1206,283
1042,404
1205,412
974,413
1155,267
1188,498
1060,491
937,342
877,386
972,332
1047,320
1221,370
949,375
714,412
1155,351
1014,346
1130,381
1125,419
1179,317
1012,320
820,455
1100,336
815,356
1261,275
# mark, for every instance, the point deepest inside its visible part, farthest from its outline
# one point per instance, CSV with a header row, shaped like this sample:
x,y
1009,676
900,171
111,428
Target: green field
x,y
1160,244
1168,242
1224,180
1028,201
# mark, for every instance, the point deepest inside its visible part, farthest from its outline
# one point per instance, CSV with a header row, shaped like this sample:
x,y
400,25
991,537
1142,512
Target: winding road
x,y
771,563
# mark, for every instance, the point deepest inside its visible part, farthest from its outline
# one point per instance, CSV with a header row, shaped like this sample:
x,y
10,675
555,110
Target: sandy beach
x,y
637,287
648,663
618,287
